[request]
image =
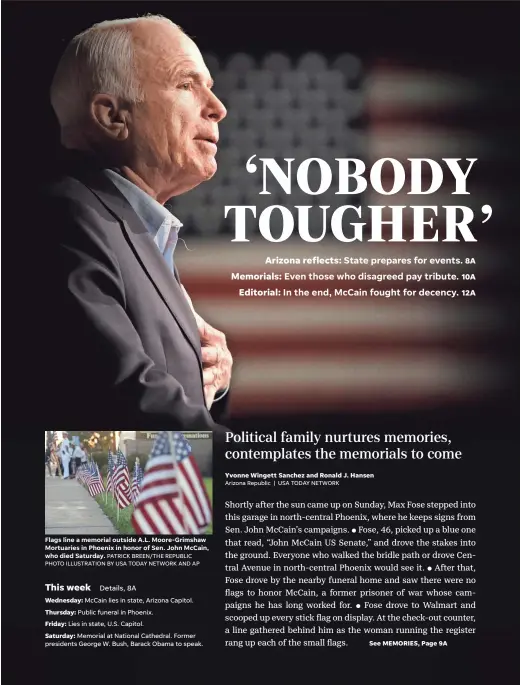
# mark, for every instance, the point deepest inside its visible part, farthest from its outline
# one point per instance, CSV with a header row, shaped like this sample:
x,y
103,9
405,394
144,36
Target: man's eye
x,y
186,86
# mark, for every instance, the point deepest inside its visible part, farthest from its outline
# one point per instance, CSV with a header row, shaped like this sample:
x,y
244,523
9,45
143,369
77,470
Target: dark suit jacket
x,y
122,346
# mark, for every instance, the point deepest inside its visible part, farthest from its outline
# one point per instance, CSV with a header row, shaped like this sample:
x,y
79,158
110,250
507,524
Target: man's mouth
x,y
209,139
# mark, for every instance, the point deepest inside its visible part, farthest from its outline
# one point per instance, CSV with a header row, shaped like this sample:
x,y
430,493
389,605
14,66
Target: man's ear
x,y
110,116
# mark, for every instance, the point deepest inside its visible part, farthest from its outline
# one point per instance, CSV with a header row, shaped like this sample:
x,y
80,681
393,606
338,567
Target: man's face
x,y
174,132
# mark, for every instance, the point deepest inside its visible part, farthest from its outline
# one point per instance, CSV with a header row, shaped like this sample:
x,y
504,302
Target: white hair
x,y
98,60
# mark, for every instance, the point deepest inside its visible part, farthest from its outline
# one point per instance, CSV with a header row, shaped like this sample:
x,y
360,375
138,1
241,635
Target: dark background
x,y
477,37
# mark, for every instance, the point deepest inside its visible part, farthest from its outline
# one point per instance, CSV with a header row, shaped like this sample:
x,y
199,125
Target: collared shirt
x,y
162,225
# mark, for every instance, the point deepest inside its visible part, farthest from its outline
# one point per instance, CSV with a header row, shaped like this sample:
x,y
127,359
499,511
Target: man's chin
x,y
210,170
202,174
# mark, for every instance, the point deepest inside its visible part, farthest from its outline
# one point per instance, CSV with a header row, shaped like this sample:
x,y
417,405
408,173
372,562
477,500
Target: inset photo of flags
x,y
128,482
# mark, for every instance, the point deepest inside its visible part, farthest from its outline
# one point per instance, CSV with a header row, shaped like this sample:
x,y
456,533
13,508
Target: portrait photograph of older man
x,y
138,306
139,124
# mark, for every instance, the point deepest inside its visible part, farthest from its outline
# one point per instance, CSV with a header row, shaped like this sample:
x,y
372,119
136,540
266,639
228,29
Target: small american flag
x,y
110,474
83,474
173,499
95,485
122,481
86,474
137,479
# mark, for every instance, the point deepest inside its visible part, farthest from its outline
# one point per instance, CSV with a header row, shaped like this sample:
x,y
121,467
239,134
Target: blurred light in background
x,y
363,354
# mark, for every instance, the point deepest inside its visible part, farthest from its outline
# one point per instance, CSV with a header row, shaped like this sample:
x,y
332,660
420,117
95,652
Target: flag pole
x,y
170,439
115,452
116,500
106,484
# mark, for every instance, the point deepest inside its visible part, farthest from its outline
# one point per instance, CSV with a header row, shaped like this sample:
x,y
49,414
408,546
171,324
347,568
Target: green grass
x,y
122,523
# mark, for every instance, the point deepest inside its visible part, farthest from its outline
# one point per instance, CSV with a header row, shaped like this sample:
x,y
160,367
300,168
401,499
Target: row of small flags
x,y
169,497
89,475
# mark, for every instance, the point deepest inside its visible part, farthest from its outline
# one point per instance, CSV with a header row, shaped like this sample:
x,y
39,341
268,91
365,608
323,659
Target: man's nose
x,y
216,108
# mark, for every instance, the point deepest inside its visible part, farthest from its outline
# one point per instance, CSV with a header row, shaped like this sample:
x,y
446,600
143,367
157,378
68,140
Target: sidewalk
x,y
70,510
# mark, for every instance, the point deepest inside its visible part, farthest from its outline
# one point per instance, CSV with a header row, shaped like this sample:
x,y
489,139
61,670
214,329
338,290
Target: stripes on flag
x,y
361,354
368,353
173,499
122,481
110,472
137,479
95,485
89,476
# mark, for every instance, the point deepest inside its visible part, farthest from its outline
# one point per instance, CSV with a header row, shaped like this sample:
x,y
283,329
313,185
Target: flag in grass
x,y
173,499
95,485
137,479
122,481
110,474
83,474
